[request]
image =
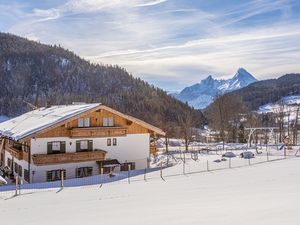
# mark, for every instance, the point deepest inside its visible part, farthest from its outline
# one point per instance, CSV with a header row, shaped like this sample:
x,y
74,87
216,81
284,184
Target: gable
x,y
96,120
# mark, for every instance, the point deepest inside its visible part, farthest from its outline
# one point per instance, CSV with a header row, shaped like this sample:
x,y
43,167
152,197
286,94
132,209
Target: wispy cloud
x,y
151,3
171,40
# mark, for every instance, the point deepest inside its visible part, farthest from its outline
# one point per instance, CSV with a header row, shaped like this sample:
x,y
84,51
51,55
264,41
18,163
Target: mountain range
x,y
202,94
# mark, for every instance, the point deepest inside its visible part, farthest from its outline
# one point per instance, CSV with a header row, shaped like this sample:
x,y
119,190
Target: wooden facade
x,y
121,127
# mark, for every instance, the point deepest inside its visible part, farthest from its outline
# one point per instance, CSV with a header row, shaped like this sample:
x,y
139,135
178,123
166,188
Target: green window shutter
x,y
77,146
90,145
63,147
49,148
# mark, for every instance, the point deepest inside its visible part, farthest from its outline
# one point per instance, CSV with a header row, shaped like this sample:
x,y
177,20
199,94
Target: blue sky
x,y
169,43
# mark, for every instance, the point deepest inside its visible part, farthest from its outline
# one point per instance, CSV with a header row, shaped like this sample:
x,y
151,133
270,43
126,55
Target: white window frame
x,y
56,146
110,121
80,122
104,122
84,122
84,144
87,122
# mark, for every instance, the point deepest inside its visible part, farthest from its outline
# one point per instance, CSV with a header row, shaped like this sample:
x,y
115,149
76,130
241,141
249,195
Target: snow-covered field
x,y
266,193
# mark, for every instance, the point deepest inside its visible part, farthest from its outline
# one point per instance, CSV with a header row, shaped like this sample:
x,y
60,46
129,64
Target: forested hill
x,y
42,74
268,91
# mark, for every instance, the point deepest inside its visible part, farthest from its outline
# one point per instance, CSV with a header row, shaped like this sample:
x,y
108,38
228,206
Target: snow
x,y
262,194
290,103
36,120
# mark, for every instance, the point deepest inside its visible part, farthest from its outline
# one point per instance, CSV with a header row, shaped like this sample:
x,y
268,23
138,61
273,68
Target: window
x,y
114,141
56,147
9,163
84,171
108,122
84,145
108,142
125,166
105,122
20,171
84,122
80,122
26,175
16,167
54,175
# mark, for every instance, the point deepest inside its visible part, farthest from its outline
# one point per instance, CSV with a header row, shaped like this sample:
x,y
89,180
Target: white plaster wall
x,y
40,174
130,148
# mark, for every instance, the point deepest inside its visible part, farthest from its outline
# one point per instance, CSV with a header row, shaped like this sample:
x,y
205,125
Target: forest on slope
x,y
46,75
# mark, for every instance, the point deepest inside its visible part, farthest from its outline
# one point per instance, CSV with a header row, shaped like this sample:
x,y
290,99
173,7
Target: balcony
x,y
15,152
74,157
86,132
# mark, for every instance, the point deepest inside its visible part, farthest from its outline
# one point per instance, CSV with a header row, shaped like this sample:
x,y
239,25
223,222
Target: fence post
x,y
229,162
249,161
17,181
129,168
284,152
145,174
101,181
148,162
207,165
183,165
267,156
20,184
161,173
61,179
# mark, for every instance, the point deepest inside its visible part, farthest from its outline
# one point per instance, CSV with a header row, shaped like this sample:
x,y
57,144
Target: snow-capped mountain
x,y
200,95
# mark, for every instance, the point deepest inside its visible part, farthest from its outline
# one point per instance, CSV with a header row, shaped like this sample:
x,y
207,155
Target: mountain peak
x,y
200,95
208,80
243,74
242,78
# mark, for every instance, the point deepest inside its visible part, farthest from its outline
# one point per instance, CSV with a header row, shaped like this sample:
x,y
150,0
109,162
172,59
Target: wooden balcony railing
x,y
18,154
98,132
74,157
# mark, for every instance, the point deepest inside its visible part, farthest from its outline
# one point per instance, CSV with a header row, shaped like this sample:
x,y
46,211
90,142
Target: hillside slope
x,y
42,74
269,91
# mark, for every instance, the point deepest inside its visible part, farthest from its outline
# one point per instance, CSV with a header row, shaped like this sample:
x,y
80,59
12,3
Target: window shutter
x,y
63,147
77,146
90,145
49,148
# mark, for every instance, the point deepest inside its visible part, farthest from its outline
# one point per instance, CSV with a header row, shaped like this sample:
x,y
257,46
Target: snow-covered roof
x,y
39,119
